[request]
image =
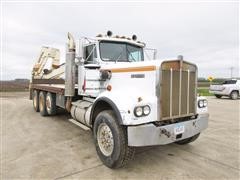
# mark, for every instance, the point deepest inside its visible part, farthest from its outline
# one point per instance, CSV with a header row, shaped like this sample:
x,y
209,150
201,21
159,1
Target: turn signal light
x,y
109,87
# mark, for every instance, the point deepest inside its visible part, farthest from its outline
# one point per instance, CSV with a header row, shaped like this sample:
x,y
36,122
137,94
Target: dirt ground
x,y
52,147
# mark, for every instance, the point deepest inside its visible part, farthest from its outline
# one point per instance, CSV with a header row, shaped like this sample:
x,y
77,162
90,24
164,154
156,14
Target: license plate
x,y
179,129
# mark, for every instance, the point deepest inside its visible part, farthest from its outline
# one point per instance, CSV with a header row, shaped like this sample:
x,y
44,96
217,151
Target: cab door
x,y
92,83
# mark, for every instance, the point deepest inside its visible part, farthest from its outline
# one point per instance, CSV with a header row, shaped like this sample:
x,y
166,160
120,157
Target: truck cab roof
x,y
120,39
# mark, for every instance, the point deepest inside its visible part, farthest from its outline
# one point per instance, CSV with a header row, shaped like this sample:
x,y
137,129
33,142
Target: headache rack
x,y
178,96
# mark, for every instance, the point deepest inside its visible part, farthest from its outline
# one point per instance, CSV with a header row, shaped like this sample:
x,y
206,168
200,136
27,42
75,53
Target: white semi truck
x,y
109,87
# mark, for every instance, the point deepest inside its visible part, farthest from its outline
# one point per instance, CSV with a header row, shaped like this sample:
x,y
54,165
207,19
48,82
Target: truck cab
x,y
126,100
106,50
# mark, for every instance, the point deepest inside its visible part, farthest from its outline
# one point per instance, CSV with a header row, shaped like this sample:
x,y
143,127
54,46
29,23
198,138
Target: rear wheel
x,y
51,103
111,140
188,140
35,96
42,103
218,96
234,95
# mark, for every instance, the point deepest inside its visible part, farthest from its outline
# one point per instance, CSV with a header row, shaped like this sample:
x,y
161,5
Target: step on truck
x,y
111,86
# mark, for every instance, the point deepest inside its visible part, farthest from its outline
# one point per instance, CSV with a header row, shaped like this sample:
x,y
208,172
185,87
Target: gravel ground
x,y
52,147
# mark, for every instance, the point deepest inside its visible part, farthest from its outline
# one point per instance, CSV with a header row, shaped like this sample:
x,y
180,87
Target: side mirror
x,y
80,49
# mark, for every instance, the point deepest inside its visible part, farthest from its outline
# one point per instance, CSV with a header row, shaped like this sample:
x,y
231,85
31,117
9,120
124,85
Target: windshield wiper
x,y
116,60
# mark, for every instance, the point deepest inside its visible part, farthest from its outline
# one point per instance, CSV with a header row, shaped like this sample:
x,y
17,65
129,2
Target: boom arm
x,y
46,54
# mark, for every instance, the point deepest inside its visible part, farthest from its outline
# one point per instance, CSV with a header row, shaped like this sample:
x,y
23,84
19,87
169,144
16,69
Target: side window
x,y
134,56
230,82
134,53
90,54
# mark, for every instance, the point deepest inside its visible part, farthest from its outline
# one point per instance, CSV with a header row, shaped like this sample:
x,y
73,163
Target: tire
x,y
106,128
35,99
234,95
51,103
188,140
218,96
42,103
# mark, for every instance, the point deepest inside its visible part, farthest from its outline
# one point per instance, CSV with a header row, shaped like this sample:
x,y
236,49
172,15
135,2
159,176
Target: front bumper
x,y
149,134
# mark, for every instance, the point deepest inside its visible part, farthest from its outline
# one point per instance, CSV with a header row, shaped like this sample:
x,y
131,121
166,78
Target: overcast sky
x,y
204,33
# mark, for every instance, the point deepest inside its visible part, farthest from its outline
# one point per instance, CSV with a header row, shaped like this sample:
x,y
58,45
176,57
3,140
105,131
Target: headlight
x,y
202,103
142,111
146,110
205,103
138,111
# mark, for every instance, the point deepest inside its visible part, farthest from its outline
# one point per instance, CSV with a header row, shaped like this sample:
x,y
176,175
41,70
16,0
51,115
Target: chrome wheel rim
x,y
41,102
234,95
105,139
48,103
35,100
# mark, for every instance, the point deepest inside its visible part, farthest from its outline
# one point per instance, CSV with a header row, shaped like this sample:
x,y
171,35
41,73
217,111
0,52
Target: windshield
x,y
119,51
230,82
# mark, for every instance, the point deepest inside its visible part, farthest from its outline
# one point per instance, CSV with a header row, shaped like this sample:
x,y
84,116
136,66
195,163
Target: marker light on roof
x,y
134,37
109,33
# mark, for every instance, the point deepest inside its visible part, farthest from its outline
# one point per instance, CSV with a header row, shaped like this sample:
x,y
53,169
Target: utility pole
x,y
231,70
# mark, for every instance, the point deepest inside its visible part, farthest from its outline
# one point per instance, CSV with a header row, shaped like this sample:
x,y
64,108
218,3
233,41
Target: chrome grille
x,y
177,89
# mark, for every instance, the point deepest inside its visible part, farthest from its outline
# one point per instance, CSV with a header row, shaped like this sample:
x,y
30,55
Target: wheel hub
x,y
48,103
35,101
41,103
234,95
105,139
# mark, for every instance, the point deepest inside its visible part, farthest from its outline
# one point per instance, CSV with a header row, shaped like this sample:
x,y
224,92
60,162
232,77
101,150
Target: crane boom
x,y
46,54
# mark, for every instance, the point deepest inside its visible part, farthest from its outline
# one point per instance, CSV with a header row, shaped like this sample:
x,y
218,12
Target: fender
x,y
123,106
111,104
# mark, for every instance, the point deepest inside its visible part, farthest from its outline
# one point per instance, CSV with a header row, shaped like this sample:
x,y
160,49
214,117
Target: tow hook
x,y
165,132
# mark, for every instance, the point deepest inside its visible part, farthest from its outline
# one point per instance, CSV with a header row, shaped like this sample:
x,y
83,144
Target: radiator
x,y
178,85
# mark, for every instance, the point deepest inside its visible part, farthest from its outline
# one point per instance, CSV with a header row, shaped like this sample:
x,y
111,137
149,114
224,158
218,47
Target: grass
x,y
204,92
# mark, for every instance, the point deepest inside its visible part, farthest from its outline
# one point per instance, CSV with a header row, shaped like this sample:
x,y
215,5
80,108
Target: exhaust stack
x,y
70,68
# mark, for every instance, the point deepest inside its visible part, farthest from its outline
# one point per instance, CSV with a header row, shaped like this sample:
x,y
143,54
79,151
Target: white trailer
x,y
109,87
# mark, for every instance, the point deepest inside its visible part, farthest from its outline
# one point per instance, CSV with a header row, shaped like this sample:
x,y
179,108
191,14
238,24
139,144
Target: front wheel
x,y
111,140
188,140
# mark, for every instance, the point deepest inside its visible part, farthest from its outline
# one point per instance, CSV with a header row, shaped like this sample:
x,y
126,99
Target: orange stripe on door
x,y
133,69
